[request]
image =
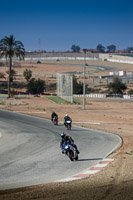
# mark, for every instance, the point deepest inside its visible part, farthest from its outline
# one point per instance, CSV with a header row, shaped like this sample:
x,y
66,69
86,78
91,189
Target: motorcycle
x,y
68,125
55,120
70,151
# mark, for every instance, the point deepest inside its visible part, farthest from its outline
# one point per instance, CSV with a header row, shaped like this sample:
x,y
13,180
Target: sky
x,y
55,25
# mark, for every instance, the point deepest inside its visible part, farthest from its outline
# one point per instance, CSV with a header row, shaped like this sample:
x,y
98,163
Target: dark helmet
x,y
63,134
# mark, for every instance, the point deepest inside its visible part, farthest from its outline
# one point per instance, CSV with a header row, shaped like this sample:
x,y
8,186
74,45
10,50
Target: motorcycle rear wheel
x,y
68,127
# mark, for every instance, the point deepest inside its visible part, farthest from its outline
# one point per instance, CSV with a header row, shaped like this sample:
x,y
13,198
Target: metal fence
x,y
65,87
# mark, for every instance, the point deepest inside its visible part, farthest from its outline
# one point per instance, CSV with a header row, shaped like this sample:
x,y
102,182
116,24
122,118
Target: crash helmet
x,y
66,115
63,134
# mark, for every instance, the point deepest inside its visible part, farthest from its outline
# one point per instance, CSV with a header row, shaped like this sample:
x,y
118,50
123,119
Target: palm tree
x,y
9,48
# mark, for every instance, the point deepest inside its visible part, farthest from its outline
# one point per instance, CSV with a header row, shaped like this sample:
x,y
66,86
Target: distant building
x,y
92,50
121,73
119,51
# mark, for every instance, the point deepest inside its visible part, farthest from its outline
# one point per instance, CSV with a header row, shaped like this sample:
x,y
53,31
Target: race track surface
x,y
30,151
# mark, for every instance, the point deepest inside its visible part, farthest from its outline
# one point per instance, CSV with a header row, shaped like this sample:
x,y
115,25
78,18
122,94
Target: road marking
x,y
68,179
97,168
28,112
0,135
86,123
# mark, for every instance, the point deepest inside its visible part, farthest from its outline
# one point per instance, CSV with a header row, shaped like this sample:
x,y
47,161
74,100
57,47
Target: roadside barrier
x,y
102,96
91,95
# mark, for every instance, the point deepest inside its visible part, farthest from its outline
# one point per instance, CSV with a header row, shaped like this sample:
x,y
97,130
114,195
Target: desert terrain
x,y
114,116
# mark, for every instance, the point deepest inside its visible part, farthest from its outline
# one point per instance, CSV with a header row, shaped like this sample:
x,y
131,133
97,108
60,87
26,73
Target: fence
x,y
65,87
104,96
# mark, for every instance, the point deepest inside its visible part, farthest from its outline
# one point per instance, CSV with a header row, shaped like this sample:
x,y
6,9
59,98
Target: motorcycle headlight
x,y
66,147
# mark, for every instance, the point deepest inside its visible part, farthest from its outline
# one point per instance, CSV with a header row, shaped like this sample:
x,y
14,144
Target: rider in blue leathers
x,y
65,139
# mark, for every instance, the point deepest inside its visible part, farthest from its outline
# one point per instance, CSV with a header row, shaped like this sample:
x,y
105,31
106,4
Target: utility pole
x,y
84,77
39,47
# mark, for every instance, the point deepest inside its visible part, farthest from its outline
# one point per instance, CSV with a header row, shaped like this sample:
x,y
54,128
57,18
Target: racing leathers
x,y
67,139
67,118
54,115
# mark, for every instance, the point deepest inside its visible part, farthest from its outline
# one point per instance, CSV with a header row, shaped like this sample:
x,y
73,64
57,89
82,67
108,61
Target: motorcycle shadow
x,y
90,159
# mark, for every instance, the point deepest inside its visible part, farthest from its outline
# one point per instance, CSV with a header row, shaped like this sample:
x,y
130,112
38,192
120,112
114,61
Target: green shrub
x,y
130,92
27,74
117,87
35,86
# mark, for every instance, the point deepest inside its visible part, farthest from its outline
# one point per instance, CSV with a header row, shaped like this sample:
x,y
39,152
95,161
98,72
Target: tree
x,y
9,47
75,48
129,50
111,48
117,87
100,48
27,74
12,75
2,75
35,86
77,87
130,92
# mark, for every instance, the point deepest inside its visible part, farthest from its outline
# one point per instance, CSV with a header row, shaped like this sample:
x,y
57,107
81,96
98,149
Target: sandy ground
x,y
113,182
51,67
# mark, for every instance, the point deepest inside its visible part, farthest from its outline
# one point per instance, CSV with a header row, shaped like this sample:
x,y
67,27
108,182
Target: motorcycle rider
x,y
65,139
67,118
54,115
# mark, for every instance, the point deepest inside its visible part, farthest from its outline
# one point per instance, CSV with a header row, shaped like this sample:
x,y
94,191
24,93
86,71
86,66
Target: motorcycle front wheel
x,y
77,157
69,154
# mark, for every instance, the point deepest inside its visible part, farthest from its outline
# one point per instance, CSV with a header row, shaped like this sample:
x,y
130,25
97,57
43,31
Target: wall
x,y
116,58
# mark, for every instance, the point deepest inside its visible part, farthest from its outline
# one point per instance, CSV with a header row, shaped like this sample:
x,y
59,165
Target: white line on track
x,y
28,112
0,135
83,122
86,123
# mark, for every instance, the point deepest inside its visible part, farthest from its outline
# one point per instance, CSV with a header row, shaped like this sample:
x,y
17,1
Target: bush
x,y
35,86
89,90
13,92
77,87
27,74
117,87
38,62
130,92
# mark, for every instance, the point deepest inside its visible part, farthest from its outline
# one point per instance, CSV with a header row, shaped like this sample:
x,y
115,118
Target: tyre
x,y
77,157
69,154
68,127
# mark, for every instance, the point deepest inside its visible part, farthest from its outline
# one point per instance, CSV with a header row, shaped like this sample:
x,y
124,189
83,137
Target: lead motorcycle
x,y
70,151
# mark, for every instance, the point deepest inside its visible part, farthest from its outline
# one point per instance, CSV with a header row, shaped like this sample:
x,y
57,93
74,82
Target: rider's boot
x,y
78,151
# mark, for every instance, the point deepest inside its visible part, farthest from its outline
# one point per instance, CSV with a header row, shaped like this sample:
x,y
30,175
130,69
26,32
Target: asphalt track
x,y
30,151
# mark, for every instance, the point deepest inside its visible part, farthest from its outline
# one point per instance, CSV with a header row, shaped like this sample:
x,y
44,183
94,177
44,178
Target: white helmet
x,y
66,115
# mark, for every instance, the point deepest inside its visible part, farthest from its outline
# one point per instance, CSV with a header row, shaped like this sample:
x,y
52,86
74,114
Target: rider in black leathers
x,y
54,115
65,139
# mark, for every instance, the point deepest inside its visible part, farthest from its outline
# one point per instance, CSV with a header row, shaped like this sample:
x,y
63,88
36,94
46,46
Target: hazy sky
x,y
57,24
